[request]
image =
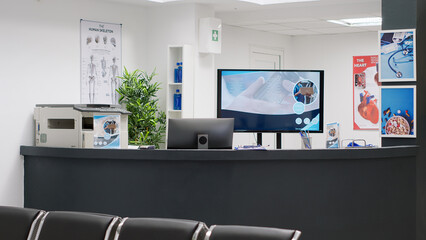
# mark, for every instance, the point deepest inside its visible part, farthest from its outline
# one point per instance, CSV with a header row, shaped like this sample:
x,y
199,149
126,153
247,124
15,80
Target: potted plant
x,y
147,124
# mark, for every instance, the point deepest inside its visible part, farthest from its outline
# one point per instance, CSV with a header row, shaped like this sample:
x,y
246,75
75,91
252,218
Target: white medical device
x,y
81,126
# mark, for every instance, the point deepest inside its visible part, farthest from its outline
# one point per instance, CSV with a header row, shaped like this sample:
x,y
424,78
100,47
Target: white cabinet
x,y
183,54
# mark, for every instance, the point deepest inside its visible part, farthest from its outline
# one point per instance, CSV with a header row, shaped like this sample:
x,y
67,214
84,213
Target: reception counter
x,y
327,194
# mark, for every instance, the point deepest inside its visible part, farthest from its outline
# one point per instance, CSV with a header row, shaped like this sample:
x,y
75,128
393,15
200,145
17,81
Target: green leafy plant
x,y
147,124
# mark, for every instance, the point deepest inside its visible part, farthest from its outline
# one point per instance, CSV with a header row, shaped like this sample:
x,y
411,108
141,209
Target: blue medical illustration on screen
x,y
271,100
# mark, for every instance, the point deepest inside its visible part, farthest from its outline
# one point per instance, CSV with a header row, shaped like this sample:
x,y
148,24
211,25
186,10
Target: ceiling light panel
x,y
339,30
269,2
358,22
312,25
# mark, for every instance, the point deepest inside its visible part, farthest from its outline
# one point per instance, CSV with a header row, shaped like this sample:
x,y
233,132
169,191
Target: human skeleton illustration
x,y
91,72
103,65
114,81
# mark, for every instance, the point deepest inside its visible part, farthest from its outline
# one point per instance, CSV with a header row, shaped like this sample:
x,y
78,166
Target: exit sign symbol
x,y
215,35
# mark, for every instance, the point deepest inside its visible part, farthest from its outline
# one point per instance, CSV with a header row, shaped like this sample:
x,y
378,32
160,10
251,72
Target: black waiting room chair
x,y
160,229
220,232
77,226
19,223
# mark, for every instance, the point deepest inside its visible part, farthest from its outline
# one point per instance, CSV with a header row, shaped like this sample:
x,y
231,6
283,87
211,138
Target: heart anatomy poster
x,y
366,92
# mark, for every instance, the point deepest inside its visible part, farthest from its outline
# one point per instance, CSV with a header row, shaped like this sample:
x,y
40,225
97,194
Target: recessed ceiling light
x,y
268,2
163,1
359,22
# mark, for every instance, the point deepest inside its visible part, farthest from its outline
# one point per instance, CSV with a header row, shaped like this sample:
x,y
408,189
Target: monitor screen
x,y
272,100
185,133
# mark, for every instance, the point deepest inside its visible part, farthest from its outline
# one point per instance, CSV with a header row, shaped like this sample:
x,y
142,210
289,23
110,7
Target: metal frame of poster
x,y
397,60
100,62
398,111
366,91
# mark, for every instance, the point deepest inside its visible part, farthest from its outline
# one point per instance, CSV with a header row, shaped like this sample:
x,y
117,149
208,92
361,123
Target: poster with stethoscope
x,y
366,92
106,131
397,55
100,61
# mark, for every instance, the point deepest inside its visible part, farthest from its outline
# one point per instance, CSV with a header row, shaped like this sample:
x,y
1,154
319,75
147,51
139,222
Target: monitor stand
x,y
278,140
259,139
203,141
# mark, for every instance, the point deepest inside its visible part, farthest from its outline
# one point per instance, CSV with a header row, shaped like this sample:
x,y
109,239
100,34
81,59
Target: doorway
x,y
266,58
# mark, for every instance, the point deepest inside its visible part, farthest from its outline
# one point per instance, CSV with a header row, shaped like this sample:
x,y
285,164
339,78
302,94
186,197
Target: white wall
x,y
333,53
40,63
167,26
178,25
236,44
204,79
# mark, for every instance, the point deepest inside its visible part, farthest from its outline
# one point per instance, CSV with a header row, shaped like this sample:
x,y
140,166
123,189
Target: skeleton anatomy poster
x,y
100,62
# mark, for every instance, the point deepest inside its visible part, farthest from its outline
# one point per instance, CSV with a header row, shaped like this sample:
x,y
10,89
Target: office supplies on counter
x,y
143,147
306,140
356,143
81,125
250,147
333,135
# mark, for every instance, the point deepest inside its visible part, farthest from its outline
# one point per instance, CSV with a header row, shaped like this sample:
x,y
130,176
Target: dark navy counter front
x,y
337,194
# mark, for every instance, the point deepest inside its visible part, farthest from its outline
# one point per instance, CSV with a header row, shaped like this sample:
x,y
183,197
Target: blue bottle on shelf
x,y
177,100
179,72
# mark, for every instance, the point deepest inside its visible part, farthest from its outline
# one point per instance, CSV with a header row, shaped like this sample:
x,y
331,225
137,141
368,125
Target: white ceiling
x,y
307,18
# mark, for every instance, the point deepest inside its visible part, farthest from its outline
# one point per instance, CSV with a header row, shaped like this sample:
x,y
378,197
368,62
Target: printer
x,y
81,125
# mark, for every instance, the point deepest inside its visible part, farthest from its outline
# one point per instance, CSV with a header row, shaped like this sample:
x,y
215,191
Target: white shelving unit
x,y
184,54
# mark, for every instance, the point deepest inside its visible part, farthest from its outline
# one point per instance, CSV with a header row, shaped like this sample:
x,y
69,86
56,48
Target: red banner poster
x,y
366,93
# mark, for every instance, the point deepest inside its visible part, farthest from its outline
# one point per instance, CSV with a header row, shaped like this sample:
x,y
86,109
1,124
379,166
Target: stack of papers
x,y
250,147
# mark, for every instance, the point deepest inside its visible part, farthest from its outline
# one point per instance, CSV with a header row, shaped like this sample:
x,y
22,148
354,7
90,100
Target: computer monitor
x,y
272,100
200,133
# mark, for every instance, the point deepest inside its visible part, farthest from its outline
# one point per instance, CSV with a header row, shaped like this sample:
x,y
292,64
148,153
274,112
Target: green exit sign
x,y
215,35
